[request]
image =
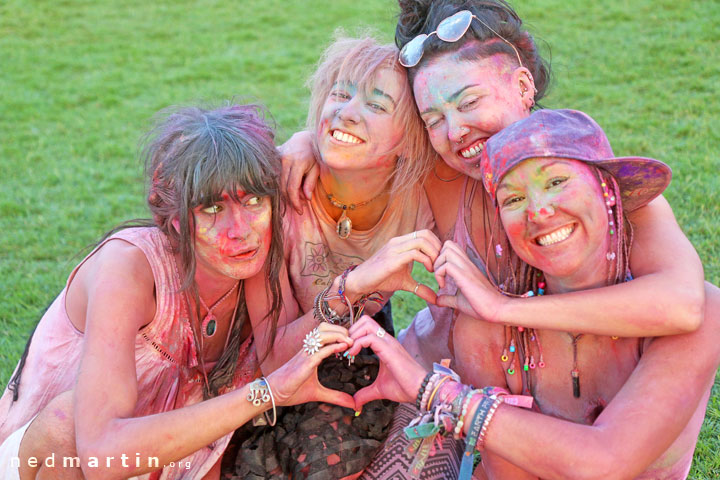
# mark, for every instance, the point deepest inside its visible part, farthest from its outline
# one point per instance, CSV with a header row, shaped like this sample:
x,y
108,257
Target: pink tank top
x,y
168,374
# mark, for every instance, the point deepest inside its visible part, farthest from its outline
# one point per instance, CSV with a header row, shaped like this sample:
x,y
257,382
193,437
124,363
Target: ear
x,y
176,225
523,80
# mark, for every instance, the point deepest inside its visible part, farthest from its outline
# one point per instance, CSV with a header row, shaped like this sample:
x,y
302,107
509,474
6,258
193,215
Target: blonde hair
x,y
360,60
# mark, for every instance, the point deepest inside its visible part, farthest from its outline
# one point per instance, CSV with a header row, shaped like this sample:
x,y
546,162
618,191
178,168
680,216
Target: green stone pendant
x,y
209,326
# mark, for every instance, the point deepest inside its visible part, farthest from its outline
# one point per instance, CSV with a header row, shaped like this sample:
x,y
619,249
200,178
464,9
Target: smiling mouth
x,y
345,137
473,150
559,235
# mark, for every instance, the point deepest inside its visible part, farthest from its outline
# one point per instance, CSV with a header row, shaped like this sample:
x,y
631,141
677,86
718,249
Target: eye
x,y
340,95
253,201
468,104
212,209
555,181
510,201
432,122
378,107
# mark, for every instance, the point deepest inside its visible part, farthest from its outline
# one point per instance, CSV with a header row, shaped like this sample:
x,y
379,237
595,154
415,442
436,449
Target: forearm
x,y
167,437
288,341
646,306
516,435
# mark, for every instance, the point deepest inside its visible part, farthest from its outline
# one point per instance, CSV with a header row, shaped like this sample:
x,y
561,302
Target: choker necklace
x,y
209,323
344,224
446,179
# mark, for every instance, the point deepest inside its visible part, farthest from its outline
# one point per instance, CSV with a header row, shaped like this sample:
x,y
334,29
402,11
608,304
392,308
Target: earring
x,y
609,203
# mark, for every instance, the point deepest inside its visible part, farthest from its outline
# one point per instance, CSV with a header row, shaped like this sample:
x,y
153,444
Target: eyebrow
x,y
542,169
377,91
451,98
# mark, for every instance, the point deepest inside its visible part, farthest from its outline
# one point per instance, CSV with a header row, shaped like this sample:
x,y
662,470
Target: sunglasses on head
x,y
449,30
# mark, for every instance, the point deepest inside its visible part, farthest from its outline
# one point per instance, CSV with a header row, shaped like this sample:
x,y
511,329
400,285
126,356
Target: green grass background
x,y
79,80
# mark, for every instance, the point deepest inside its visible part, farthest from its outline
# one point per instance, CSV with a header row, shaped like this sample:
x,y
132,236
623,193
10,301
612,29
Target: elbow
x,y
604,462
97,462
690,310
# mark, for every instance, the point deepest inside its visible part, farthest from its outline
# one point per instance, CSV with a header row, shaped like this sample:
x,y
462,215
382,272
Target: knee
x,y
53,430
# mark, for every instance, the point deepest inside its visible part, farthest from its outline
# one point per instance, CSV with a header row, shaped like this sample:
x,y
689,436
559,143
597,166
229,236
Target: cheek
x,y
514,225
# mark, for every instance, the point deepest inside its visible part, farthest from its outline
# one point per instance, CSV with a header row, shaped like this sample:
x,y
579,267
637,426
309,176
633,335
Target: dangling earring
x,y
609,203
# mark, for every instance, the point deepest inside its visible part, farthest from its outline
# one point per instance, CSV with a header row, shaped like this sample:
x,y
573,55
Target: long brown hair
x,y
192,156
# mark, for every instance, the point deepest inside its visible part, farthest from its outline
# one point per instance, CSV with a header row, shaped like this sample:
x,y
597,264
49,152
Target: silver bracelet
x,y
261,393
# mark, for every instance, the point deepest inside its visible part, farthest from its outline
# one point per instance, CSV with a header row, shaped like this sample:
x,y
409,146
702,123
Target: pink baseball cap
x,y
574,135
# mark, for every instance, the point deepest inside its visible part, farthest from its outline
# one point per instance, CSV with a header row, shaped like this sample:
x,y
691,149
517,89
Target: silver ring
x,y
380,333
417,285
415,235
312,343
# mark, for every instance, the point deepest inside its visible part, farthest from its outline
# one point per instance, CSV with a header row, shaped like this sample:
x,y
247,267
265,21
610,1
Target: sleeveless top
x,y
166,360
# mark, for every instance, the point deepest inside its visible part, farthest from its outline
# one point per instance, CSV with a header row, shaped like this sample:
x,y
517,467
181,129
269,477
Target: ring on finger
x,y
380,333
415,235
312,342
417,285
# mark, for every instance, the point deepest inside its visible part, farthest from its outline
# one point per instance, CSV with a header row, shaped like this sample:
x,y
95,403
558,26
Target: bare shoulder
x,y
117,276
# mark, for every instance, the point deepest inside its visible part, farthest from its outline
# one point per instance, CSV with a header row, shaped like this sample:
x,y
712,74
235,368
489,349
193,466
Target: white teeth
x,y
556,236
471,152
345,137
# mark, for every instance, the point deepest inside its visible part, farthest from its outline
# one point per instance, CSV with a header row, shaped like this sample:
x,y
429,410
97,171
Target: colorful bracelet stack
x,y
323,313
444,402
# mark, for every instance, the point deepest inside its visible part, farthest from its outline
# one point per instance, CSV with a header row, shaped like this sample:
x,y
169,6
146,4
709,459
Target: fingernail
x,y
346,353
357,413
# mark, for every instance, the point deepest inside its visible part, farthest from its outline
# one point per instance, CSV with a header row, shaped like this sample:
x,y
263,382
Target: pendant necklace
x,y
209,323
575,373
344,224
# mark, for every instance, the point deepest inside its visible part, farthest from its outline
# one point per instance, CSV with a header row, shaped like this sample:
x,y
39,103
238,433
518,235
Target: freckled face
x,y
555,218
463,103
232,238
358,129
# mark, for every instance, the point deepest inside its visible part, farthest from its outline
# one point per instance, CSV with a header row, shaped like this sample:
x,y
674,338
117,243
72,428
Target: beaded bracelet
x,y
466,464
486,423
437,386
426,394
422,389
457,433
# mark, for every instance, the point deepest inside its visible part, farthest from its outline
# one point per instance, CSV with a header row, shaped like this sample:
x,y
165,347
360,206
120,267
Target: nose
x,y
349,112
456,129
239,226
538,210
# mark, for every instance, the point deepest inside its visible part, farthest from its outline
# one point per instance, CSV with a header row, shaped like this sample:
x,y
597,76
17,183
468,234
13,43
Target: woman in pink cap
x,y
595,406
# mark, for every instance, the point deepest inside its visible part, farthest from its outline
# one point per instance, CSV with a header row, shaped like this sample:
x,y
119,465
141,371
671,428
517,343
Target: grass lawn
x,y
80,80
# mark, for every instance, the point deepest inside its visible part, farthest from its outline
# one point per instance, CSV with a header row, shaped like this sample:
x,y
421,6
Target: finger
x,y
328,338
410,256
422,291
311,179
430,237
325,351
366,395
440,272
293,188
450,301
329,327
369,340
328,395
363,326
